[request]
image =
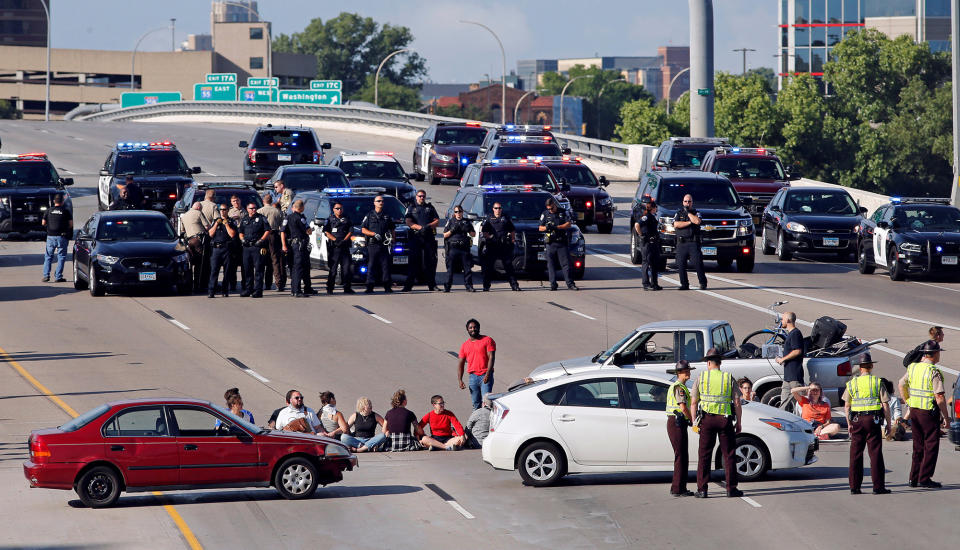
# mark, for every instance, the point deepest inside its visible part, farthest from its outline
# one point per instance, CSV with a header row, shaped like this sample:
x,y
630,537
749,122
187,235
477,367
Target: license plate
x,y
282,157
400,260
31,218
542,256
148,275
831,241
708,250
581,215
949,260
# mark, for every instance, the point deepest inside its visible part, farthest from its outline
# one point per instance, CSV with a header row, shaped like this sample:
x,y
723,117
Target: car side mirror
x,y
794,176
661,163
604,181
471,216
195,170
244,144
426,142
566,151
104,172
483,150
774,208
883,225
66,181
617,359
564,186
326,145
415,176
863,210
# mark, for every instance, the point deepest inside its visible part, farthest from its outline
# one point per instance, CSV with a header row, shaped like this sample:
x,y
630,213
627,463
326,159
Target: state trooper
x,y
275,270
422,218
208,206
716,401
648,232
866,404
297,245
195,229
555,225
456,235
922,387
254,232
339,232
378,228
686,223
678,411
496,243
221,234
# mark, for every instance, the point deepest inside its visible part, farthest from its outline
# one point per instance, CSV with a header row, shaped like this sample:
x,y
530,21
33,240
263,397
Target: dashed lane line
x,y
170,318
374,315
247,369
573,311
449,500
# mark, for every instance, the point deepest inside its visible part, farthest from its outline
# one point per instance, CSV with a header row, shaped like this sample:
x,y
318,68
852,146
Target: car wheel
x,y
429,176
782,252
896,268
772,398
98,487
745,264
635,256
296,478
77,283
863,264
752,461
765,245
96,289
605,228
541,464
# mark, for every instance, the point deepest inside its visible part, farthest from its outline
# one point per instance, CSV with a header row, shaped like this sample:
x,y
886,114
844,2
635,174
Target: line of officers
x,y
715,398
686,224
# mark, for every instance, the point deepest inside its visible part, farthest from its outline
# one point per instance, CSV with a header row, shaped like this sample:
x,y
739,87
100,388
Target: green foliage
x,y
744,110
642,122
390,95
466,112
803,109
767,74
8,110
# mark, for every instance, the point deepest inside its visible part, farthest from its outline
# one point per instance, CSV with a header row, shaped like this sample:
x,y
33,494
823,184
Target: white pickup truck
x,y
658,346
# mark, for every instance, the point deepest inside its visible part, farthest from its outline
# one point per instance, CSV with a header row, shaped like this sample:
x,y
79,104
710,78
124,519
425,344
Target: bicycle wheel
x,y
764,336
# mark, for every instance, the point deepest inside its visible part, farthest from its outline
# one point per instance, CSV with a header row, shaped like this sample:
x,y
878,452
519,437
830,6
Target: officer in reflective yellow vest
x,y
922,387
716,399
865,400
678,411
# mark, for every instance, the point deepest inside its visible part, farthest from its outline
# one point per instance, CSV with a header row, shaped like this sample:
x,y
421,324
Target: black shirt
x,y
558,219
422,214
58,220
338,227
691,231
296,224
793,369
649,229
460,233
253,228
500,228
220,234
381,224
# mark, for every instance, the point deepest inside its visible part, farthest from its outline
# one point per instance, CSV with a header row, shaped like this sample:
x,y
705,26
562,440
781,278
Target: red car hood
x,y
757,185
298,437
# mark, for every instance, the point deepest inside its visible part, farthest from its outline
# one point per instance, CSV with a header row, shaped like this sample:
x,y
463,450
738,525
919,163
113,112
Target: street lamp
x,y
503,76
516,109
564,91
133,55
670,87
46,108
257,17
376,79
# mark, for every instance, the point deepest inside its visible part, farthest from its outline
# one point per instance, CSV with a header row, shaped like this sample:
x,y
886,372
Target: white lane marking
x,y
575,312
256,375
179,324
212,174
65,171
751,502
936,286
463,512
77,138
379,318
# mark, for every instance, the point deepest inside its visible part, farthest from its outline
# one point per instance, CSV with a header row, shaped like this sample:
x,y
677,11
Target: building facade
x,y
23,23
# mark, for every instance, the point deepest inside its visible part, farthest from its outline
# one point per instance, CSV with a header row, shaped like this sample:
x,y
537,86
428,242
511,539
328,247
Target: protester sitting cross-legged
x,y
296,416
445,430
478,425
402,428
364,423
815,408
332,420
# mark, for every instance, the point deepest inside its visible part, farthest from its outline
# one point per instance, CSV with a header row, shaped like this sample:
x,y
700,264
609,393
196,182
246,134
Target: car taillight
x,y
956,409
497,415
578,263
172,196
747,250
843,369
589,204
252,155
39,452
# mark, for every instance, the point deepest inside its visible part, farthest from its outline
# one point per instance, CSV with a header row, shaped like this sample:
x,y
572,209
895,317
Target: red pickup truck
x,y
754,172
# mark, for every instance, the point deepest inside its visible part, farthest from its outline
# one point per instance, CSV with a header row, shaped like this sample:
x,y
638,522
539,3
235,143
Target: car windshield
x,y
151,163
84,419
284,139
928,218
577,175
313,180
820,202
524,150
706,194
749,168
135,229
690,156
519,206
604,355
246,196
373,169
541,178
460,136
355,208
26,174
250,427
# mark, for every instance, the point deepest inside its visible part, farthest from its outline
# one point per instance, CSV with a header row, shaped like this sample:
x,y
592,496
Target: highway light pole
x,y
701,68
376,79
564,91
133,55
46,107
744,50
516,108
955,44
670,87
503,76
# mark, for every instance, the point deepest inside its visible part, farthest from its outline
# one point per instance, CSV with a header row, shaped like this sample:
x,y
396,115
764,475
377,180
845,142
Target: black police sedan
x,y
273,146
128,249
810,219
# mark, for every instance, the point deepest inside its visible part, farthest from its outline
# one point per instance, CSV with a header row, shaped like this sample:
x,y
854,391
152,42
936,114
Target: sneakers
x,y
682,494
61,280
572,287
734,493
881,491
700,494
46,279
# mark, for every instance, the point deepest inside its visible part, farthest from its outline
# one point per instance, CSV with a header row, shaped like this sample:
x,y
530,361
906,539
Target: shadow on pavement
x,y
104,392
48,290
19,260
32,356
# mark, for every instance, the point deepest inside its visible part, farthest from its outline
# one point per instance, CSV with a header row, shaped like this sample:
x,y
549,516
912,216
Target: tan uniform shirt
x,y
236,213
884,396
285,199
192,224
209,210
937,381
273,215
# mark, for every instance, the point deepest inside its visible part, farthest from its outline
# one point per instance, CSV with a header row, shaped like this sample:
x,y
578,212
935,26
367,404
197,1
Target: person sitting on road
x,y
746,389
816,409
332,420
399,420
235,406
478,425
446,433
364,422
296,416
898,431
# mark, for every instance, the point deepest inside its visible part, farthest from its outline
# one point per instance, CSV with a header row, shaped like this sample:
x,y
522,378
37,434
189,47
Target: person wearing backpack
x,y
916,354
922,387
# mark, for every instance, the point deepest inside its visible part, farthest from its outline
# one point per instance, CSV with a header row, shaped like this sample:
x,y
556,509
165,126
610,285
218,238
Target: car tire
x,y
96,289
541,464
772,398
896,268
635,257
98,487
429,176
605,228
78,284
296,478
752,459
746,264
863,264
765,247
782,253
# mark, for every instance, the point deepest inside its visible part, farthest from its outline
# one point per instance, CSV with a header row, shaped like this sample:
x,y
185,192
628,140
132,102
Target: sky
x,y
455,52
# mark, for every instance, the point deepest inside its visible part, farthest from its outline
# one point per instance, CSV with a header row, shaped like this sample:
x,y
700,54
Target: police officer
x,y
422,218
456,236
297,245
496,243
922,387
686,223
716,400
647,228
555,225
281,196
195,231
237,214
339,231
378,228
866,403
126,199
254,232
221,233
208,207
274,268
679,419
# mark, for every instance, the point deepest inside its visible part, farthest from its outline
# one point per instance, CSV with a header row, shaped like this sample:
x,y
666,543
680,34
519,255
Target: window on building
x,y
801,37
818,36
851,11
834,35
784,37
818,11
801,12
256,62
817,59
802,60
256,33
834,11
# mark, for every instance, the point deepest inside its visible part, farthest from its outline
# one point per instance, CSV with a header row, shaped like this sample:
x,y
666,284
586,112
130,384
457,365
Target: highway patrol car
x,y
157,167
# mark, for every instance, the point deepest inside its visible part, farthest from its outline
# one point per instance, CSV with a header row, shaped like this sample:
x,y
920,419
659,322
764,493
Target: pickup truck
x,y
658,346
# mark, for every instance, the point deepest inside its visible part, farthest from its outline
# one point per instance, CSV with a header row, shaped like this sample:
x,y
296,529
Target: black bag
x,y
826,332
913,356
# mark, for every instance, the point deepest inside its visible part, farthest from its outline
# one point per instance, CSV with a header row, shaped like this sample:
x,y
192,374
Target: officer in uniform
x,y
555,224
195,231
456,236
647,228
496,243
422,218
208,207
679,419
866,404
716,400
237,214
339,231
922,387
221,233
686,223
378,228
126,199
297,245
254,232
275,270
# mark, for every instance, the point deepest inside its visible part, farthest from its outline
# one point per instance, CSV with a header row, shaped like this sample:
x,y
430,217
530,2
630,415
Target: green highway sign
x,y
254,82
249,93
703,91
221,78
132,99
326,85
311,96
214,92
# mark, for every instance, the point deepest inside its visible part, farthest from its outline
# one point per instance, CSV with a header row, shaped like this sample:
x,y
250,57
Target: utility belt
x,y
298,240
688,239
249,244
459,244
221,245
877,415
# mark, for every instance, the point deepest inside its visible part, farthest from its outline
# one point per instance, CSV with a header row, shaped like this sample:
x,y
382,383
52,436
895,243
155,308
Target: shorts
x,y
442,438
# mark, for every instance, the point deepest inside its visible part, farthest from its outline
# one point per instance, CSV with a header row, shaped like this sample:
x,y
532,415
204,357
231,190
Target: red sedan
x,y
177,444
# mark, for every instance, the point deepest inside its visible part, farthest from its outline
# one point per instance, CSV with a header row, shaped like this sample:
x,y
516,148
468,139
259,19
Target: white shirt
x,y
292,413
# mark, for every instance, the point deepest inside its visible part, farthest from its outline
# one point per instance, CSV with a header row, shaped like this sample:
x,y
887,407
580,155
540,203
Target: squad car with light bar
x,y
520,147
157,167
754,172
445,149
685,153
378,169
591,204
273,146
497,133
28,183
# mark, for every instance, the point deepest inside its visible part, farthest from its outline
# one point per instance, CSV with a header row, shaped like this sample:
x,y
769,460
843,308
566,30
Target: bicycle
x,y
766,336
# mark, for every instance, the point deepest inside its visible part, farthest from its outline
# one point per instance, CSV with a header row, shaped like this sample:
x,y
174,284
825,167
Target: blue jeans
x,y
356,442
478,389
58,246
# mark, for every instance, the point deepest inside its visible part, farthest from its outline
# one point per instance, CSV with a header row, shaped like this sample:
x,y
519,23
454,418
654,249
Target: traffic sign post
x,y
311,96
256,82
214,92
248,93
326,85
221,78
132,99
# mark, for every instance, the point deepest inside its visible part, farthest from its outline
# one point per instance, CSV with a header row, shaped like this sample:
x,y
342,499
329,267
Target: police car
x,y
911,236
754,172
521,147
529,172
590,203
685,153
28,183
445,149
157,167
373,165
307,177
495,134
273,146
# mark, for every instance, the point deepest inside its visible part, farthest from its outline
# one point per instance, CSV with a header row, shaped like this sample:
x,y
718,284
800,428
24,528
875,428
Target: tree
x,y
390,95
767,74
8,109
467,112
643,122
744,110
679,121
802,108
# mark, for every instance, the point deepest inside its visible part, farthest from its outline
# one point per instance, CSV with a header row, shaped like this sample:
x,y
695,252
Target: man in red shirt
x,y
446,433
478,353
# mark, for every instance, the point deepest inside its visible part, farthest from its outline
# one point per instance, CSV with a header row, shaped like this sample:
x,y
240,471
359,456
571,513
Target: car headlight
x,y
605,201
910,247
179,258
107,260
744,227
358,241
783,425
5,202
442,158
666,225
796,227
335,450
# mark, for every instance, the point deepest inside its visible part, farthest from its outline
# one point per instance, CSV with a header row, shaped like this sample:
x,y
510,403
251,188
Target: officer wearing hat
x,y
716,399
647,228
922,387
678,411
864,401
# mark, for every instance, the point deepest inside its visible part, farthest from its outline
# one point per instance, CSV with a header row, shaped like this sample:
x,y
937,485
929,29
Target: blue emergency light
x,y
363,269
464,160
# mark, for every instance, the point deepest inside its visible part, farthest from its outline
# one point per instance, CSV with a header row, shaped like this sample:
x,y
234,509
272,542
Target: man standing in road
x,y
378,228
678,420
422,218
648,231
339,231
717,401
297,245
792,360
221,234
274,269
208,207
922,387
479,353
58,220
686,223
254,232
497,238
457,234
555,225
195,230
866,402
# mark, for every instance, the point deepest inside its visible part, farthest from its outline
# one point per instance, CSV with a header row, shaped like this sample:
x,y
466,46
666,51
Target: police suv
x,y
495,134
521,147
28,183
157,167
273,146
685,153
445,149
